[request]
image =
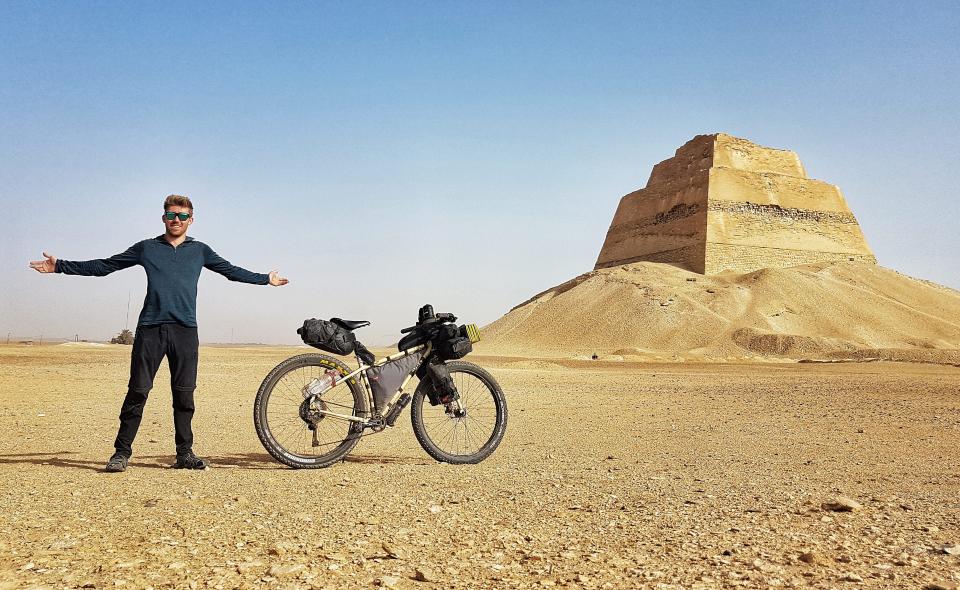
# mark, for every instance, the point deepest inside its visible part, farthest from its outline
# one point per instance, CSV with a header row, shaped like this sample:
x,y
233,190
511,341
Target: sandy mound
x,y
828,310
533,364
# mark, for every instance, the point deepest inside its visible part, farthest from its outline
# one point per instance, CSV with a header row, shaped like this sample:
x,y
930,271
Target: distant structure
x,y
725,203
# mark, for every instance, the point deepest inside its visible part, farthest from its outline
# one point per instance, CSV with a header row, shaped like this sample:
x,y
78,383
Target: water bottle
x,y
320,384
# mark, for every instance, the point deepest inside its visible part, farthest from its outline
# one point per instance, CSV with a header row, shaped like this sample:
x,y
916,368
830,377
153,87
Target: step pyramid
x,y
725,203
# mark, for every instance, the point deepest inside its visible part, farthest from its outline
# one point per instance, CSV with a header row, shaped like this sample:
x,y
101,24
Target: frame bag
x,y
327,336
386,379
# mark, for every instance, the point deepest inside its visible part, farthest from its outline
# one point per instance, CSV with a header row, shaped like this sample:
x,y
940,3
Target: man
x,y
167,324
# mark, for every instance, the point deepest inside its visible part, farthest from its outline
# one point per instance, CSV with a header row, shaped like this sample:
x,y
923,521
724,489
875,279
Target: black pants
x,y
180,345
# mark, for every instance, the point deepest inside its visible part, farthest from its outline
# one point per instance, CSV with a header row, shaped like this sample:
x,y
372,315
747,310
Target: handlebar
x,y
428,318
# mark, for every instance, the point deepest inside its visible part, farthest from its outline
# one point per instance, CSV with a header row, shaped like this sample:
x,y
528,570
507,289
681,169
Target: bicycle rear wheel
x,y
471,437
298,433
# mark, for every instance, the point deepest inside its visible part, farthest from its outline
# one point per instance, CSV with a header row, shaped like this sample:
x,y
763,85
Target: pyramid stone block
x,y
725,203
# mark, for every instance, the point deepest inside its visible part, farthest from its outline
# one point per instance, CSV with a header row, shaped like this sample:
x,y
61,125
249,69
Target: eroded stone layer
x,y
726,203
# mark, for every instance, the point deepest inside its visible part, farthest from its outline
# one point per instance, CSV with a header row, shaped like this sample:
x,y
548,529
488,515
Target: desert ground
x,y
612,474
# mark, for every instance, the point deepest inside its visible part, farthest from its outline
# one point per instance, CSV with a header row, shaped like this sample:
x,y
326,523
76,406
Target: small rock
x,y
425,574
434,508
177,565
243,568
941,585
841,504
395,551
809,557
281,571
277,550
851,577
952,549
387,581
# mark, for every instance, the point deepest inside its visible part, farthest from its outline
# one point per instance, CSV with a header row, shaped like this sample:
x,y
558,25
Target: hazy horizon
x,y
467,155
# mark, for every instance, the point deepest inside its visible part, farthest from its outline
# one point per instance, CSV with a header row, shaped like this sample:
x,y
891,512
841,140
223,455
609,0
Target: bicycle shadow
x,y
386,460
244,461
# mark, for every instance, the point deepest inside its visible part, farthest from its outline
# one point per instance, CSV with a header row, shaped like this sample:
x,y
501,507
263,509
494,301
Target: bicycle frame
x,y
361,371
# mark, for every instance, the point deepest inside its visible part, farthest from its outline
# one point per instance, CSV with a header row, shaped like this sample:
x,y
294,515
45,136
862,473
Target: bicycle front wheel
x,y
474,434
302,433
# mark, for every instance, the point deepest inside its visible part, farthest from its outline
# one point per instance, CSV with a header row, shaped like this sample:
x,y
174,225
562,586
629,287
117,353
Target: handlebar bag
x,y
327,336
386,379
454,348
450,344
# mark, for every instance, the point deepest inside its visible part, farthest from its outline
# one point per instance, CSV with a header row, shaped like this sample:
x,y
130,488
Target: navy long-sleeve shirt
x,y
172,276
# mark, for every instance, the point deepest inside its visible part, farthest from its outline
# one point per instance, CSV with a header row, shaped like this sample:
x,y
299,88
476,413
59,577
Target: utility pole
x,y
126,324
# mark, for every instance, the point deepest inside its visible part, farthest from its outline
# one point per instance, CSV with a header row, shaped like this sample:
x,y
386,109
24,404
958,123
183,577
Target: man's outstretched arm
x,y
217,264
88,268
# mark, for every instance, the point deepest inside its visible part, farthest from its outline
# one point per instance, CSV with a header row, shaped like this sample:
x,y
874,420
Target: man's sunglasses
x,y
169,215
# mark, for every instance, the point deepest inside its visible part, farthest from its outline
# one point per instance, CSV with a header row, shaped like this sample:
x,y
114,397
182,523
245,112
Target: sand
x,y
612,474
655,311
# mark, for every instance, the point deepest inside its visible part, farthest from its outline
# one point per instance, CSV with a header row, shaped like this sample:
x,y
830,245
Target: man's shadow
x,y
229,461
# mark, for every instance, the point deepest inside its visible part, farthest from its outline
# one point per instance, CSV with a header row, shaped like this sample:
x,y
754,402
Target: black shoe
x,y
189,461
117,463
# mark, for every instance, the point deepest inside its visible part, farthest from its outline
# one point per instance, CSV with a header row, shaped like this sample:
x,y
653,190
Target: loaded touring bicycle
x,y
312,409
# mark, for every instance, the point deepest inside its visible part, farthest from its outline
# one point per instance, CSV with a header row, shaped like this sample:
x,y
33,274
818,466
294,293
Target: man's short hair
x,y
177,201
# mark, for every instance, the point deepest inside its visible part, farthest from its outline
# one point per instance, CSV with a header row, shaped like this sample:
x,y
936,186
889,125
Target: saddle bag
x,y
327,336
386,379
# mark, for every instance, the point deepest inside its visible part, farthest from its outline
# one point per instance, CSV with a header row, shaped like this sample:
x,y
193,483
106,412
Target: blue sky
x,y
383,155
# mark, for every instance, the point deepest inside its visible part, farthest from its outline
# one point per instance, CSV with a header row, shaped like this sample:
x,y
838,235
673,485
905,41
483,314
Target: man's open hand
x,y
275,279
50,264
